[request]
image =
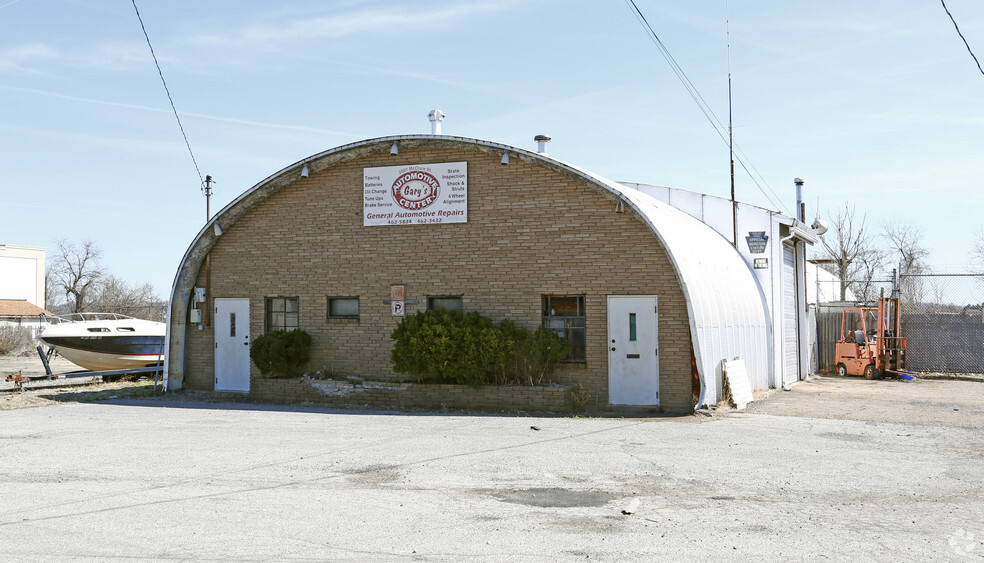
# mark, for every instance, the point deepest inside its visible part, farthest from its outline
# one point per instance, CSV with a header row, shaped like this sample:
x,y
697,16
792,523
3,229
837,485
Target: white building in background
x,y
823,287
22,273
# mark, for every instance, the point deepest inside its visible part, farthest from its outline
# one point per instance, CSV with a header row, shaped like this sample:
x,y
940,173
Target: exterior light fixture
x,y
305,172
620,206
505,159
394,150
217,229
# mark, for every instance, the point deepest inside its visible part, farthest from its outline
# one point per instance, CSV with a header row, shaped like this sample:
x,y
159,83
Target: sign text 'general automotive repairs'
x,y
417,194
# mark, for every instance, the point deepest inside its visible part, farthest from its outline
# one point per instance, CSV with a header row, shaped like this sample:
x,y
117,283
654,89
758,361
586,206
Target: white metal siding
x,y
790,352
728,315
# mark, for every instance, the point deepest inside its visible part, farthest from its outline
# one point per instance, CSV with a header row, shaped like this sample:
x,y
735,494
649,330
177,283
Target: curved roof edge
x,y
728,314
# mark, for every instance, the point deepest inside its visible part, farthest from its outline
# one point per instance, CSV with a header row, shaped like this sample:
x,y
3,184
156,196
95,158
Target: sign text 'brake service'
x,y
416,194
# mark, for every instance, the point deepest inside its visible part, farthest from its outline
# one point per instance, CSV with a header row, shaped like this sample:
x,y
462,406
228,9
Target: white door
x,y
232,345
633,347
790,332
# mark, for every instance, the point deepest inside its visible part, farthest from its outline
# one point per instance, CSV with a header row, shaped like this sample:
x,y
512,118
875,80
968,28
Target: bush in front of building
x,y
534,354
281,353
450,347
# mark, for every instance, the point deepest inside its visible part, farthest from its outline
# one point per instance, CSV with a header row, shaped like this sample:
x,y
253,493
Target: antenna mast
x,y
207,190
731,142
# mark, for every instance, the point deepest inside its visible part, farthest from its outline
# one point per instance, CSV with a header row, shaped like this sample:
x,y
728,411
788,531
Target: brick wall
x,y
412,395
531,231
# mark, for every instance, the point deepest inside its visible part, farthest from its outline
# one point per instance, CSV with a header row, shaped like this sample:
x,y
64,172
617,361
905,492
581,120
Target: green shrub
x,y
450,347
281,353
534,354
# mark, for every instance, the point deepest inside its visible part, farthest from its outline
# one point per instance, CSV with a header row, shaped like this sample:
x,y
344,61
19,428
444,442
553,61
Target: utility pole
x,y
207,189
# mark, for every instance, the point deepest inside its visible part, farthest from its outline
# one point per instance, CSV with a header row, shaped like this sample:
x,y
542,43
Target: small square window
x,y
449,302
343,307
282,313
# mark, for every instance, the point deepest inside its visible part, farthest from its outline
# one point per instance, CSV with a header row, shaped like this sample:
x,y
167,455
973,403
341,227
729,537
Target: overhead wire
x,y
704,106
168,92
955,26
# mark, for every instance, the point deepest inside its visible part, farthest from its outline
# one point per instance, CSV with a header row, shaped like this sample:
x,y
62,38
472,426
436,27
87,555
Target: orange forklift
x,y
872,344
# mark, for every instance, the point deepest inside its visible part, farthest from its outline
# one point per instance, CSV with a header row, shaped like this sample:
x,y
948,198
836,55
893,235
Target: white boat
x,y
105,341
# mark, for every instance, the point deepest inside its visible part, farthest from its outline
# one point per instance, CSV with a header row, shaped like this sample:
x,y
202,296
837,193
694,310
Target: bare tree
x,y
117,296
50,289
849,250
864,285
76,272
89,287
977,251
904,246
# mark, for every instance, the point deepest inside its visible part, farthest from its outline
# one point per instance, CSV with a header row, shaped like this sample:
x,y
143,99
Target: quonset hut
x,y
344,242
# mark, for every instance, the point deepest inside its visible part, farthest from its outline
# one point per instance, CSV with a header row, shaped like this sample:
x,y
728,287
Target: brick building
x,y
342,242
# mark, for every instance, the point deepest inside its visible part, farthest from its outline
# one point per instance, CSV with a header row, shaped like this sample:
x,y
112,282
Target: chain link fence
x,y
942,319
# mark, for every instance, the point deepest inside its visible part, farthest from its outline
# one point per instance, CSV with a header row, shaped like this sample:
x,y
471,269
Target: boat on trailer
x,y
104,341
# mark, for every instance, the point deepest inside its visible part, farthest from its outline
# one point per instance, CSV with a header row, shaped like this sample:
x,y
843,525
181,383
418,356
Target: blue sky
x,y
874,103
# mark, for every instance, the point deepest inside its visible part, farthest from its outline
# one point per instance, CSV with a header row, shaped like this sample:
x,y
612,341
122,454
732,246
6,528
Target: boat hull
x,y
105,341
109,353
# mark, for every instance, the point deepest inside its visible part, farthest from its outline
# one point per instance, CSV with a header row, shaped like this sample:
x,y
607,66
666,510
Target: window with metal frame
x,y
343,307
449,302
564,315
282,313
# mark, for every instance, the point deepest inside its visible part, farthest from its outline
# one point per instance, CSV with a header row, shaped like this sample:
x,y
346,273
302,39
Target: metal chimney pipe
x,y
541,144
800,207
436,117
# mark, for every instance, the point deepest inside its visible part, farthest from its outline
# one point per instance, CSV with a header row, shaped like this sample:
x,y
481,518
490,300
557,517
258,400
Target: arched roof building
x,y
513,234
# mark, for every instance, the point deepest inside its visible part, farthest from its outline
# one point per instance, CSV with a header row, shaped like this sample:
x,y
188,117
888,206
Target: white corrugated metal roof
x,y
728,314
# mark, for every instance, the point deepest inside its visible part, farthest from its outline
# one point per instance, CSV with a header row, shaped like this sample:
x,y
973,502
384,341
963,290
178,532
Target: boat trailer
x,y
20,379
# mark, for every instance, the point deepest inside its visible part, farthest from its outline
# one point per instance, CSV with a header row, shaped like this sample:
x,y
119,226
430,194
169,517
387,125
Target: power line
x,y
702,104
175,110
955,26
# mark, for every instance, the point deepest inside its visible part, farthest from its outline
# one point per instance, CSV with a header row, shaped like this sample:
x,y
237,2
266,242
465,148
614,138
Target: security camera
x,y
819,226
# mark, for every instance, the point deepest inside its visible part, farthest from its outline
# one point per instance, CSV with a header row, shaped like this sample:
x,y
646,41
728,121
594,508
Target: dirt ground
x,y
63,389
930,402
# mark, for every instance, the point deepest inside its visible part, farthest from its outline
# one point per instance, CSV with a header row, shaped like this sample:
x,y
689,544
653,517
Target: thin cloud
x,y
222,119
342,25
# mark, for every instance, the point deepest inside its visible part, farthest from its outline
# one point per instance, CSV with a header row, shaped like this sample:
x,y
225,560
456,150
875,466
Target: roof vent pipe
x,y
541,144
800,207
436,117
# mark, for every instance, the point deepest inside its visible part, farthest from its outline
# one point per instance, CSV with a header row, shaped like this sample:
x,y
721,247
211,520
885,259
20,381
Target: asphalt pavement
x,y
165,480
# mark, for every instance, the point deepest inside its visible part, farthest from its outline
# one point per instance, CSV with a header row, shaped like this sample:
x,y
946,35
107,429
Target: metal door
x,y
232,345
790,318
633,349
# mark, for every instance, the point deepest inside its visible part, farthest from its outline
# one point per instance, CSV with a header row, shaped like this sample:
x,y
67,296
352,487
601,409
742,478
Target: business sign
x,y
757,241
761,263
416,194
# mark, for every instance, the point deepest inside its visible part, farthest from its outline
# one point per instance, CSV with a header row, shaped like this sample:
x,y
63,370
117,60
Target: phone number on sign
x,y
423,221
